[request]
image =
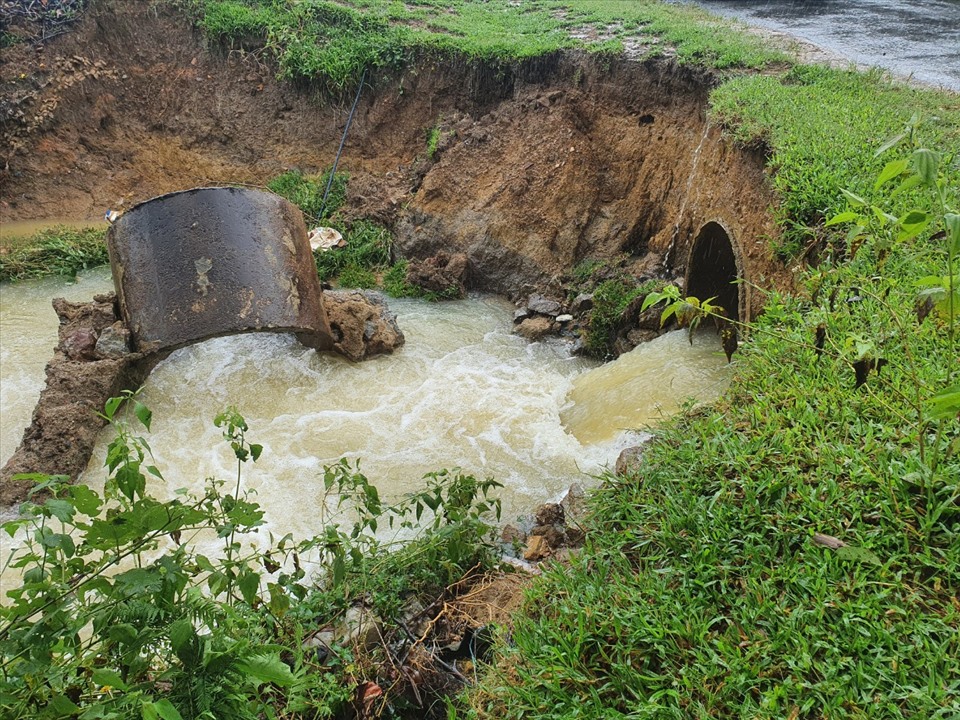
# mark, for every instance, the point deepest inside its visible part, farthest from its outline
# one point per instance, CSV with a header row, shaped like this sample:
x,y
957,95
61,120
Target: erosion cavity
x,y
714,268
538,165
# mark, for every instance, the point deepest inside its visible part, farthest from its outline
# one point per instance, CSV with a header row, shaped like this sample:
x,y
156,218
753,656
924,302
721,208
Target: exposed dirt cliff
x,y
558,160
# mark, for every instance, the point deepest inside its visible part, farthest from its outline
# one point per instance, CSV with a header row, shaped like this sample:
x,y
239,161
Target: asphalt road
x,y
912,38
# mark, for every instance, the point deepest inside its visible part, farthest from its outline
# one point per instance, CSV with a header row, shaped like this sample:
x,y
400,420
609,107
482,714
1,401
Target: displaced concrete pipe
x,y
207,262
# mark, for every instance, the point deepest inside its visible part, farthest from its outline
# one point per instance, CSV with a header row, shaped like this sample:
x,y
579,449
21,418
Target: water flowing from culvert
x,y
464,391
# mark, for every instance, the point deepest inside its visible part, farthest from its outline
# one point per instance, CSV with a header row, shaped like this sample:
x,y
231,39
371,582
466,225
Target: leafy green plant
x,y
688,311
610,299
56,251
117,613
873,226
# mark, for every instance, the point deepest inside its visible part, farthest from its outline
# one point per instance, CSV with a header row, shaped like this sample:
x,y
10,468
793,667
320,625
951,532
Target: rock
x,y
537,548
79,344
582,303
361,323
564,318
443,273
638,337
629,460
574,503
359,627
543,306
521,314
550,514
512,534
114,341
535,328
555,535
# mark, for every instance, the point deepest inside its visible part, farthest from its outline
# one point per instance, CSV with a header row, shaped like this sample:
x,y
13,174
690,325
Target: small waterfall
x,y
686,193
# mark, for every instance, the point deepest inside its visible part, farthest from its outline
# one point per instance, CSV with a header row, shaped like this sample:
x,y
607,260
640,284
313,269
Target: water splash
x,y
686,194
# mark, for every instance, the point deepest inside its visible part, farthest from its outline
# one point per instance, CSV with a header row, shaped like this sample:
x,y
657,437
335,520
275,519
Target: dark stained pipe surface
x,y
215,261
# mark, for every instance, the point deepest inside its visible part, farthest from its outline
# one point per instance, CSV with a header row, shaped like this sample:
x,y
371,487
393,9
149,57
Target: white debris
x,y
325,238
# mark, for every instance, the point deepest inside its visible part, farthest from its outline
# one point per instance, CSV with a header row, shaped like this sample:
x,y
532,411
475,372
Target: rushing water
x,y
464,391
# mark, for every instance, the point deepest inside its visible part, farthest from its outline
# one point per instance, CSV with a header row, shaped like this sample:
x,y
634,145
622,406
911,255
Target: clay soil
x,y
539,166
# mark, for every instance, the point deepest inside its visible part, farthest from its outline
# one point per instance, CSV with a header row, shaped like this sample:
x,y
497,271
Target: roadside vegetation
x,y
792,551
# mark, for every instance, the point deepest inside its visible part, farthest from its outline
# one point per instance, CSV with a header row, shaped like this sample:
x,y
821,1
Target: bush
x,y
117,614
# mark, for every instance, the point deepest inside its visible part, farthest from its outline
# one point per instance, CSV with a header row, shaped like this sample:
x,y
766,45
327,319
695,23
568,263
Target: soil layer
x,y
538,167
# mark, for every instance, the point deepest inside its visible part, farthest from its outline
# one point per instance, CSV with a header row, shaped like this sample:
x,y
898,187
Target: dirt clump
x,y
82,375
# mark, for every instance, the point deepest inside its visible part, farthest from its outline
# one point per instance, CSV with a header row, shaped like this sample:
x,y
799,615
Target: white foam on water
x,y
463,392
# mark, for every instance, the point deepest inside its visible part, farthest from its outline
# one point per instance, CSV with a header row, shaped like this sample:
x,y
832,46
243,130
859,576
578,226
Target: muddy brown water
x,y
463,392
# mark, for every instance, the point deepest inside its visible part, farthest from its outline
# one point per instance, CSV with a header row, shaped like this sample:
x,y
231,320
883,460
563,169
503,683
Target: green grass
x,y
55,251
701,593
822,128
329,45
306,192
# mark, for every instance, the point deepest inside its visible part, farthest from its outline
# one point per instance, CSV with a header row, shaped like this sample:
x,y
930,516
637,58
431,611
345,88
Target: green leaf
x,y
858,554
111,406
160,710
267,668
85,500
843,217
62,706
63,510
255,451
185,642
855,199
889,144
103,676
249,586
945,404
912,224
143,413
908,184
925,164
892,169
953,233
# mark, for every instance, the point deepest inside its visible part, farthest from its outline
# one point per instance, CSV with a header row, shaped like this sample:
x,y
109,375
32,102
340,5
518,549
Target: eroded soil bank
x,y
538,167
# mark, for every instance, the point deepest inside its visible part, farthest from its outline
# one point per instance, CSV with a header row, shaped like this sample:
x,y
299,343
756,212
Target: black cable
x,y
343,140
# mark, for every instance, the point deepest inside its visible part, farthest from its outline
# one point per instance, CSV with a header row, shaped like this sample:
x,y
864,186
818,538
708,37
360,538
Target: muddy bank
x,y
539,166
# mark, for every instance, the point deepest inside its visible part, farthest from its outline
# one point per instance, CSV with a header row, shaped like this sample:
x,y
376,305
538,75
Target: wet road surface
x,y
918,38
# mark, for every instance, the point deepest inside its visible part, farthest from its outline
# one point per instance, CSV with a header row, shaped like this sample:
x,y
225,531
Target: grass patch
x,y
55,251
822,128
329,45
367,249
306,192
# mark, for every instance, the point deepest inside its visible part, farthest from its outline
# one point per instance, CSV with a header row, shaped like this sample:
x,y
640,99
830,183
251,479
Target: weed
x,y
307,193
118,613
354,276
610,299
56,251
433,141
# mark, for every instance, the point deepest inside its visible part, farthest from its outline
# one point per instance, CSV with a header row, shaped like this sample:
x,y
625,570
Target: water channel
x,y
463,392
910,38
